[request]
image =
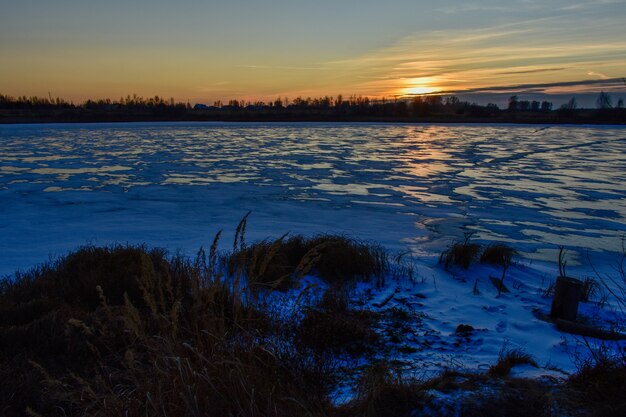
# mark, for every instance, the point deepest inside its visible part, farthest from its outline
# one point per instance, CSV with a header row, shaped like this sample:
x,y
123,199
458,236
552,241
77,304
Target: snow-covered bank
x,y
435,302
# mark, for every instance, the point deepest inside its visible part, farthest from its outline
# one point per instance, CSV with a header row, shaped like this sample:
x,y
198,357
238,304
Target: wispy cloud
x,y
591,5
581,85
543,53
284,67
534,71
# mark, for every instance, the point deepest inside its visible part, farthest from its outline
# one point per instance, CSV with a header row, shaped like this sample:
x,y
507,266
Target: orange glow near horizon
x,y
421,85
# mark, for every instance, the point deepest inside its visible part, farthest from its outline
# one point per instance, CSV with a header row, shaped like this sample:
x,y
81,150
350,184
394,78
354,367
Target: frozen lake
x,y
407,186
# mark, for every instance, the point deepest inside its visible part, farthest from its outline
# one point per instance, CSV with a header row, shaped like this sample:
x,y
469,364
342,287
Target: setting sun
x,y
416,86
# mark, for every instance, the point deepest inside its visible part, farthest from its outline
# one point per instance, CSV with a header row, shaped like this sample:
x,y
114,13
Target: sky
x,y
204,51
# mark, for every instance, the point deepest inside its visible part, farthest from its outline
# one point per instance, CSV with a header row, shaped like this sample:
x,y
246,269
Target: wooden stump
x,y
567,293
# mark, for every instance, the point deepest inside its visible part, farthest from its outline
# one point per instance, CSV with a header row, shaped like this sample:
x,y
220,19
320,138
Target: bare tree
x,y
604,101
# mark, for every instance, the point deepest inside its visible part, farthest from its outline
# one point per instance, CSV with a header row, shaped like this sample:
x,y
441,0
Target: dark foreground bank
x,y
130,331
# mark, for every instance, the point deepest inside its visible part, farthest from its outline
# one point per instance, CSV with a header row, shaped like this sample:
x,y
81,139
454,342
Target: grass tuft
x,y
336,259
509,359
460,254
497,254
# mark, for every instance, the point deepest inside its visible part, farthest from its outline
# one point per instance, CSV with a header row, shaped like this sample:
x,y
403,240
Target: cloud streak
x,y
542,54
609,84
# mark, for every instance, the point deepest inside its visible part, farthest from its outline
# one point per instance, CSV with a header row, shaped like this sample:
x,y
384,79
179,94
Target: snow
x,y
500,323
408,187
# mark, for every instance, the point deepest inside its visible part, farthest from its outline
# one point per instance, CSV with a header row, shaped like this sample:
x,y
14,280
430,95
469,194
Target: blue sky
x,y
204,50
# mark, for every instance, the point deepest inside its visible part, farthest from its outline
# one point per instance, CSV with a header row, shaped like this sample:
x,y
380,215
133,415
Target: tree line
x,y
431,107
134,101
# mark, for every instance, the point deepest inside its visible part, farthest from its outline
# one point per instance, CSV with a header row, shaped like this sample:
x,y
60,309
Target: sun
x,y
417,86
417,90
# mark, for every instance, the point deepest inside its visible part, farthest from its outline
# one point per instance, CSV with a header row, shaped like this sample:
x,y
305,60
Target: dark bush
x,y
336,259
514,398
460,254
380,393
497,254
332,327
599,386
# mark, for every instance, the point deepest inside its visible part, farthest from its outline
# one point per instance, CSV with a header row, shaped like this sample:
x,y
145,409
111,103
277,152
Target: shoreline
x,y
355,121
586,117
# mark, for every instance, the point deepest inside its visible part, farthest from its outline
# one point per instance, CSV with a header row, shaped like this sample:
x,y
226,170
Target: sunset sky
x,y
203,51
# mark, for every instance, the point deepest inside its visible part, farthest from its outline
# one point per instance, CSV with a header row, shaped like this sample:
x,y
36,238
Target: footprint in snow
x,y
501,327
495,309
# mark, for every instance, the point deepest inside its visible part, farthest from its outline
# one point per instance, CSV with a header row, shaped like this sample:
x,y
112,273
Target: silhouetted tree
x,y
513,103
524,105
535,105
570,105
434,100
546,106
452,101
604,101
620,103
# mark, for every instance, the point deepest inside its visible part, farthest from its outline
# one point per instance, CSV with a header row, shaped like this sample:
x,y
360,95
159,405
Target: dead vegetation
x,y
337,259
154,335
131,331
509,359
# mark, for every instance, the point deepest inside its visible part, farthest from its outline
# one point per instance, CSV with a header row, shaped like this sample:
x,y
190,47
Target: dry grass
x,y
498,254
460,254
332,327
509,359
336,259
513,398
126,331
600,383
382,393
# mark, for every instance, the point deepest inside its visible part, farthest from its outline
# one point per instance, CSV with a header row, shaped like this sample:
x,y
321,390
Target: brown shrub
x,y
460,254
336,259
509,359
497,254
332,327
163,337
